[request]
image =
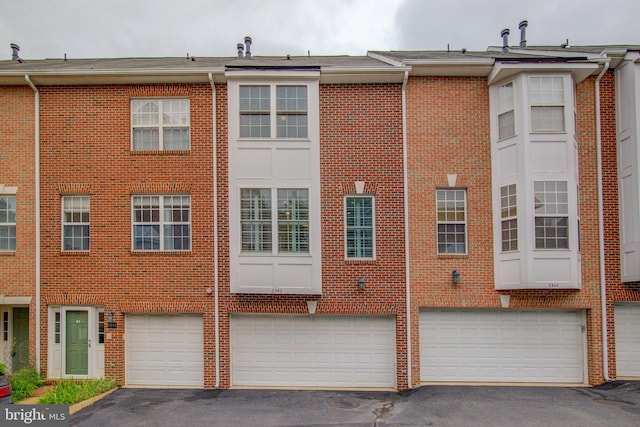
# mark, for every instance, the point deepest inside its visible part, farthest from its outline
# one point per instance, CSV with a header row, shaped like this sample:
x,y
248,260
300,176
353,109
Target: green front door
x,y
77,342
20,352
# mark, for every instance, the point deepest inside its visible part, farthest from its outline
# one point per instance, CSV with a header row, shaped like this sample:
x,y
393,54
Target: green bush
x,y
24,382
68,392
2,367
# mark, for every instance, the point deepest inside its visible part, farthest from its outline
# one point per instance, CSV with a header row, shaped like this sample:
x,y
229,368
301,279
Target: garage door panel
x,y
516,346
319,351
627,326
164,350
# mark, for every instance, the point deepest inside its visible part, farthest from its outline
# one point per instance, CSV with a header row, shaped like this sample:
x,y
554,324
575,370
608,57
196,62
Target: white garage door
x,y
501,346
313,351
627,318
164,350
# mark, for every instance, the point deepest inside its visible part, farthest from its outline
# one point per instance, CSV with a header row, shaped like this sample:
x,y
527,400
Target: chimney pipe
x,y
14,52
523,33
247,42
505,40
240,50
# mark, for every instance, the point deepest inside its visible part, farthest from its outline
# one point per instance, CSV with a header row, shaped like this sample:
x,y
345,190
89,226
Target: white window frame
x,y
550,100
161,222
447,215
277,113
509,217
8,221
160,123
79,205
506,108
276,224
554,205
360,247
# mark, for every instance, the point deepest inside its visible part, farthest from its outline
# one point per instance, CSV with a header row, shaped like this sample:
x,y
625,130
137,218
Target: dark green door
x,y
20,354
77,343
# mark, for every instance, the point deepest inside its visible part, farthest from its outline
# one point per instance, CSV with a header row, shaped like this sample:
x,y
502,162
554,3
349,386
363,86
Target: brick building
x,y
382,221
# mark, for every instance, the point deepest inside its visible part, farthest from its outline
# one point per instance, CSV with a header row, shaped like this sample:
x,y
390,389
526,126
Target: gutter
x,y
407,273
216,310
603,278
37,191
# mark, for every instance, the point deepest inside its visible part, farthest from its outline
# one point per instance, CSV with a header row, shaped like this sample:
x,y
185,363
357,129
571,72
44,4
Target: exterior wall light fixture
x,y
361,283
455,277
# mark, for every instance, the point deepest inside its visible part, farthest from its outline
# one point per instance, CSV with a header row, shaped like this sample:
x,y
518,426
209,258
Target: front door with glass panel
x,y
20,353
77,343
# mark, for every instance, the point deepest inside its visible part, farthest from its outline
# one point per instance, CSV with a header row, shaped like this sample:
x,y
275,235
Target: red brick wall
x,y
448,133
360,140
616,290
17,169
86,150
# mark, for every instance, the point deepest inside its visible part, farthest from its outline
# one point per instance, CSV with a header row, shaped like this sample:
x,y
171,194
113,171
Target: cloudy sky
x,y
132,28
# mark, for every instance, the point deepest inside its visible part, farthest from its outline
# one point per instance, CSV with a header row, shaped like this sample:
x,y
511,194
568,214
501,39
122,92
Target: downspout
x,y
603,278
216,311
37,190
407,273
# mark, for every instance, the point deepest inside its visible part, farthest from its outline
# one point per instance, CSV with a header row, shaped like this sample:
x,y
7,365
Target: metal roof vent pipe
x,y
240,50
247,42
523,33
15,50
505,40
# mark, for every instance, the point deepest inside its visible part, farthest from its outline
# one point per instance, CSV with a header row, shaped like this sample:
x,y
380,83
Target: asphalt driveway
x,y
616,403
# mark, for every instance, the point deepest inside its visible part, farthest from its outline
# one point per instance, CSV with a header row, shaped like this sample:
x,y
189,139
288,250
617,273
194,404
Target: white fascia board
x,y
502,71
335,75
271,74
632,56
136,76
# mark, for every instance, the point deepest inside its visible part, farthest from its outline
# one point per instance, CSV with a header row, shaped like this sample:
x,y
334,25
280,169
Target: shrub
x,y
68,392
24,382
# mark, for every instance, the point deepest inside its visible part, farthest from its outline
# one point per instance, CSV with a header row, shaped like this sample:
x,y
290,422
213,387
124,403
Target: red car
x,y
5,389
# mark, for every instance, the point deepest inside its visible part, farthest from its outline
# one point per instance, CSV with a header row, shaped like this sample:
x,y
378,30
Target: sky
x,y
175,28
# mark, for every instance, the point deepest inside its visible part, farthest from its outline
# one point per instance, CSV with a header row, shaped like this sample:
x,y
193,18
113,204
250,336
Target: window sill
x,y
7,253
74,253
161,253
160,152
361,261
453,256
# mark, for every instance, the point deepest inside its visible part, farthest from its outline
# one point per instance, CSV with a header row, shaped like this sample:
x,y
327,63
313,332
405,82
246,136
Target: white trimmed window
x,y
260,118
160,124
75,223
551,214
451,211
546,96
286,223
506,114
7,223
509,220
161,223
359,227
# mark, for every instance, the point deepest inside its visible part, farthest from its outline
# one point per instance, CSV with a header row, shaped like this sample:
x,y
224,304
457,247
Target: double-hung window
x,y
546,96
160,124
7,223
75,223
359,226
260,118
551,214
161,223
506,115
451,210
274,220
509,220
